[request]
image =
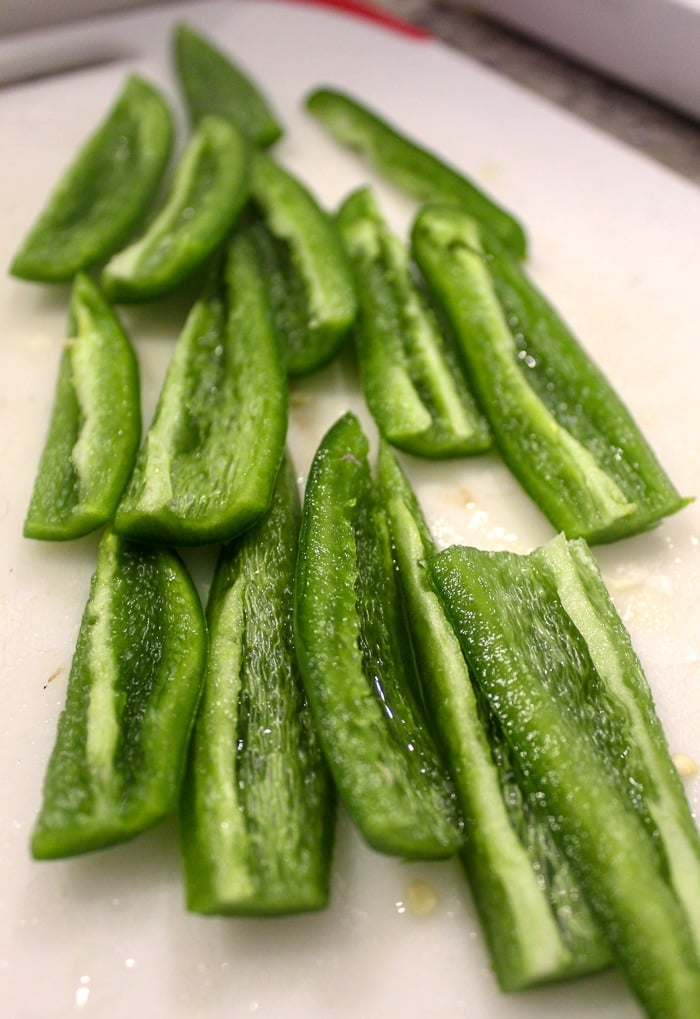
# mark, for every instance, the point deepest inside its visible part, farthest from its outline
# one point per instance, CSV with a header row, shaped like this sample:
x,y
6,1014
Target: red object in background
x,y
365,10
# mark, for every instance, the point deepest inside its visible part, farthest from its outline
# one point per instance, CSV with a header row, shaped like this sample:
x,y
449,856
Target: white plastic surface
x,y
652,45
615,244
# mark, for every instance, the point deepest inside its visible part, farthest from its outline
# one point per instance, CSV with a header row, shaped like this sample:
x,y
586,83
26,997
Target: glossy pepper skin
x,y
119,756
105,191
559,425
257,810
355,660
212,83
209,190
537,924
406,163
207,467
309,276
95,427
556,665
411,377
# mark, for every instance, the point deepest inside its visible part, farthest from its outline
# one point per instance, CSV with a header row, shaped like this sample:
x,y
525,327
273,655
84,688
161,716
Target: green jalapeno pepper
x,y
554,661
310,282
212,83
121,742
559,425
409,165
356,662
537,923
209,189
208,464
411,378
105,192
258,807
95,426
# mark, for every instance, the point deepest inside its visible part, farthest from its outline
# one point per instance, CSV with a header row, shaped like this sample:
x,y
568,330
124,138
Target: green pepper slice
x,y
551,655
209,189
308,273
258,807
105,191
411,378
537,923
559,425
207,467
406,163
121,742
356,663
212,83
95,426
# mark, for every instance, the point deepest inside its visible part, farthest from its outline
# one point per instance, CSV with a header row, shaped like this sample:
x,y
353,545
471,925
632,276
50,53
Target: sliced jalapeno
x,y
122,738
213,83
209,189
257,810
557,667
355,659
409,165
105,192
411,378
559,425
538,925
207,467
95,426
308,273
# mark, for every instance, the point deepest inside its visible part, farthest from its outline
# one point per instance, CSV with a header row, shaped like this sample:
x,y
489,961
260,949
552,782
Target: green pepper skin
x,y
411,378
121,742
95,426
407,164
560,427
555,662
355,660
209,190
105,192
207,467
212,83
257,810
306,266
537,924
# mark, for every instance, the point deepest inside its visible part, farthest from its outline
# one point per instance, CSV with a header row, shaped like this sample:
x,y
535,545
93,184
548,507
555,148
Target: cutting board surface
x,y
615,243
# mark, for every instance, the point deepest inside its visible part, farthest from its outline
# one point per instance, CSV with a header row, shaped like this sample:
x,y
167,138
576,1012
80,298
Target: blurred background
x,y
630,67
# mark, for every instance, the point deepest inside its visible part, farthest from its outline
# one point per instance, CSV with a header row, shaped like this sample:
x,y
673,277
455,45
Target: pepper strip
x,y
411,378
95,426
560,427
309,276
407,164
207,467
356,664
105,191
209,189
258,807
555,662
121,742
212,83
537,924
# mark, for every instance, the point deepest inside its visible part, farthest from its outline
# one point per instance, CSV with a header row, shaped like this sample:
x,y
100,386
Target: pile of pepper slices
x,y
485,704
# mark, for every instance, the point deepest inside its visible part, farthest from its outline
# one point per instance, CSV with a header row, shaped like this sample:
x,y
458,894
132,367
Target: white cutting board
x,y
616,245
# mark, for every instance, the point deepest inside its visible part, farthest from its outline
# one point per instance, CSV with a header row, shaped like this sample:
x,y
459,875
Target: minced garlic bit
x,y
685,765
421,897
